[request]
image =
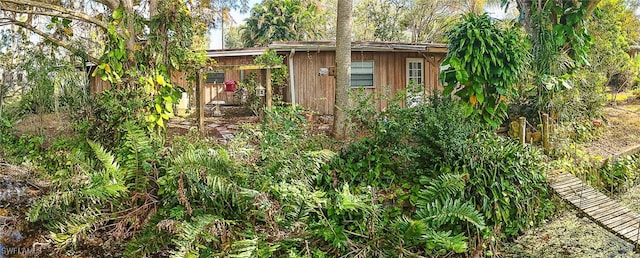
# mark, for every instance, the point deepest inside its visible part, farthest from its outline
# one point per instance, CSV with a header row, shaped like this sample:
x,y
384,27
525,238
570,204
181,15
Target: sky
x,y
215,41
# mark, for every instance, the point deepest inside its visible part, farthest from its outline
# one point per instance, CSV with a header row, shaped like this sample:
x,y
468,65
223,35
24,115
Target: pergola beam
x,y
241,67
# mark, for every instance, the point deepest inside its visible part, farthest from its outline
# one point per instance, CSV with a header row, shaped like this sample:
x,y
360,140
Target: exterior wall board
x,y
316,92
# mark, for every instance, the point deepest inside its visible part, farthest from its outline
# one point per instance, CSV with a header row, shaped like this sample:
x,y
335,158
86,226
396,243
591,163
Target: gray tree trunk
x,y
153,8
343,67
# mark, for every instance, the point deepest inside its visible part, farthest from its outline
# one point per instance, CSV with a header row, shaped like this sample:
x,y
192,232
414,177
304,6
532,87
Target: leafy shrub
x,y
617,176
408,143
461,182
361,115
111,111
584,100
507,181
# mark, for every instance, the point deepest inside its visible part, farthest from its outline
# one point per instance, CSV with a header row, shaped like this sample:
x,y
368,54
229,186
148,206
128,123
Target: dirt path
x,y
623,131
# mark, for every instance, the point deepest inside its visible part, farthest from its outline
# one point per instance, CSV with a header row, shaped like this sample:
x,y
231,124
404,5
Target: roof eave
x,y
236,52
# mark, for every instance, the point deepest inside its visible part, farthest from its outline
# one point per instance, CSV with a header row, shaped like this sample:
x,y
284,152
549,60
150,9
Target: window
x,y
215,77
415,81
362,74
415,71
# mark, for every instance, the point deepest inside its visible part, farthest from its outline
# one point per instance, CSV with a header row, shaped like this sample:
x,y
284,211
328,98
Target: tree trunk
x,y
524,6
343,68
131,37
153,8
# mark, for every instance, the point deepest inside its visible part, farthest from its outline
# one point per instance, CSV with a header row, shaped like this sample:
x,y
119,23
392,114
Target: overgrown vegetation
x,y
430,179
277,189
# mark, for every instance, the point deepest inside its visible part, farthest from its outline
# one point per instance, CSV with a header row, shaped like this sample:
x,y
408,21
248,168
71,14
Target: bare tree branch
x,y
63,11
54,40
95,21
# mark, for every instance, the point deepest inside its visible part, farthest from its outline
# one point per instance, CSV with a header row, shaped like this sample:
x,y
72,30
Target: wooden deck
x,y
598,207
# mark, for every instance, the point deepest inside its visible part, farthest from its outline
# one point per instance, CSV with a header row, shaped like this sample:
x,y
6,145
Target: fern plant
x,y
441,209
203,229
101,188
138,154
78,201
204,179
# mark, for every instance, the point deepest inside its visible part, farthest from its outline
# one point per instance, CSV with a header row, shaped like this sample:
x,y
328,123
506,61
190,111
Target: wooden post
x,y
269,92
523,129
545,133
200,100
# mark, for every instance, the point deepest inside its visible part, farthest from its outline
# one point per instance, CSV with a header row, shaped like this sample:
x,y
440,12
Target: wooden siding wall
x,y
317,92
97,85
215,91
314,91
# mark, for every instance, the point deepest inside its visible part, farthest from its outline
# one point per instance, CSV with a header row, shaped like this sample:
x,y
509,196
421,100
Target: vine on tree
x,y
484,62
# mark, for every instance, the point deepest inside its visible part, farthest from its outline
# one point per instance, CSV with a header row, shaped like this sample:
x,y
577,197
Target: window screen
x,y
362,74
215,77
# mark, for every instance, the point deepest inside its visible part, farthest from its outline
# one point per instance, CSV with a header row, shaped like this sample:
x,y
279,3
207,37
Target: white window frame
x,y
415,60
413,99
373,77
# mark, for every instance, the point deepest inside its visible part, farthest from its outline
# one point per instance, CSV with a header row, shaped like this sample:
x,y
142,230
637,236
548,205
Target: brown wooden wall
x,y
317,92
96,84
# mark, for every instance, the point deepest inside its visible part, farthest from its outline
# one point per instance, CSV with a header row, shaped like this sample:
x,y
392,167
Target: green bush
x,y
448,180
618,176
484,62
111,110
507,181
584,100
408,143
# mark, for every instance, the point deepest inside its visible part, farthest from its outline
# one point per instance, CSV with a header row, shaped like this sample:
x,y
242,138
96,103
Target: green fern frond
x,y
441,242
409,230
136,155
108,161
450,211
75,227
108,183
243,248
50,206
201,159
204,178
194,236
441,188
